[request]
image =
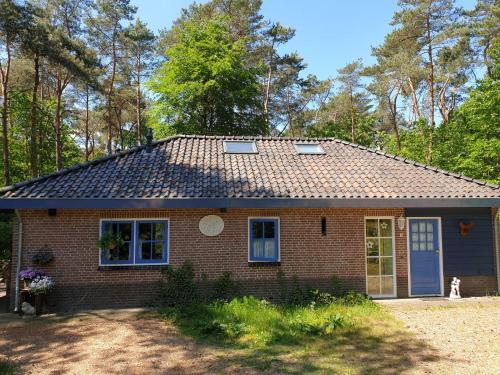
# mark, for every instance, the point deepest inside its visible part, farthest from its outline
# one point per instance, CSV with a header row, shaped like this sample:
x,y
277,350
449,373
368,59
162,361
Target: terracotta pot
x,y
27,283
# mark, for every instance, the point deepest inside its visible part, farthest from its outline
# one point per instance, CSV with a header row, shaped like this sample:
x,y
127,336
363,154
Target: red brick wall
x,y
72,235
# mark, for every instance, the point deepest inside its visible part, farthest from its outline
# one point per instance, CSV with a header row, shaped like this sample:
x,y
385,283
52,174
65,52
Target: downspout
x,y
18,259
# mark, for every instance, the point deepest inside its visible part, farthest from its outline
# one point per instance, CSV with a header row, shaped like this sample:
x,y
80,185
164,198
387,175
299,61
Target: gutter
x,y
18,259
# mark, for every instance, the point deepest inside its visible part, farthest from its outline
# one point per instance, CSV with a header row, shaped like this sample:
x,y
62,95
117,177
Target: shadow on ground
x,y
103,343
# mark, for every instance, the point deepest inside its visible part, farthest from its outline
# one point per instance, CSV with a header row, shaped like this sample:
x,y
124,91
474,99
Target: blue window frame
x,y
264,240
151,246
145,242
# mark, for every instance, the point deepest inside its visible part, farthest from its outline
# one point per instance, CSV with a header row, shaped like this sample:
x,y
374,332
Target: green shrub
x,y
352,298
225,288
178,286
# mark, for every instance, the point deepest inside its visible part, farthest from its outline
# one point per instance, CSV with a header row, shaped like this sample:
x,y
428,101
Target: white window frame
x,y
279,238
135,220
394,270
254,147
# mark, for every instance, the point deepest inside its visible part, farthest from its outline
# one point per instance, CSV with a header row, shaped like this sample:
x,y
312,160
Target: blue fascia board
x,y
38,203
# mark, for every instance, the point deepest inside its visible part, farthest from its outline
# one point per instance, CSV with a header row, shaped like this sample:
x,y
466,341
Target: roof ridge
x,y
79,166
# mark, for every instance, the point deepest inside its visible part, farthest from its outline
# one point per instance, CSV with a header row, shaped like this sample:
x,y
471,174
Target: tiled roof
x,y
197,167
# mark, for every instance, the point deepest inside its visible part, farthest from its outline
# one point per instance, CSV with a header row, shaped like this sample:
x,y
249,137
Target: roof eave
x,y
155,203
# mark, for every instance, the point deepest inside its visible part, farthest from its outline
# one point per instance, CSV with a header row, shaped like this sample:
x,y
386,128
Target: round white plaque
x,y
211,225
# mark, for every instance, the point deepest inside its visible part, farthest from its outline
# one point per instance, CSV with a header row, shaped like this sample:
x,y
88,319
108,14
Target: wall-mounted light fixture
x,y
401,222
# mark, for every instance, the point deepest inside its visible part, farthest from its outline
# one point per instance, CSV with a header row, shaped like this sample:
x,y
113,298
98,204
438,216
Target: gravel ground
x,y
462,337
465,333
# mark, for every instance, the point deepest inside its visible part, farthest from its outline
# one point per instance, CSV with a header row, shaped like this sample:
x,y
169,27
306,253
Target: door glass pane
x,y
415,246
422,237
414,227
386,246
430,246
421,227
372,248
430,228
372,228
372,267
386,266
414,236
385,228
387,285
374,285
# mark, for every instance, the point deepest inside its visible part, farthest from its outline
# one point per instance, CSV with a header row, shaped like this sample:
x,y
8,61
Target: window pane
x,y
372,228
257,229
158,250
372,247
385,228
145,250
145,231
240,147
386,266
257,248
386,246
387,284
374,285
269,250
309,148
269,229
158,231
125,231
124,252
372,266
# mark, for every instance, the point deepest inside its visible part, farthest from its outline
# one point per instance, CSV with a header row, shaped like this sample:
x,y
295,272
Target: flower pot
x,y
27,283
40,304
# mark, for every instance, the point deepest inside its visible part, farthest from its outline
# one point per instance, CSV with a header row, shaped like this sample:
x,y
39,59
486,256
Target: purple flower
x,y
30,273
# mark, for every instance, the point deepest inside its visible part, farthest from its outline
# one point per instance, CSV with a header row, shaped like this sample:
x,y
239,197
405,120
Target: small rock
x,y
27,309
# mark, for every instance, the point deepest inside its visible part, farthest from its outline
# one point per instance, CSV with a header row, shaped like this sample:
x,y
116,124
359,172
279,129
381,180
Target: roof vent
x,y
149,140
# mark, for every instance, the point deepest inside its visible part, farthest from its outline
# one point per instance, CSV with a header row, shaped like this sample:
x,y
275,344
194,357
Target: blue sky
x,y
329,33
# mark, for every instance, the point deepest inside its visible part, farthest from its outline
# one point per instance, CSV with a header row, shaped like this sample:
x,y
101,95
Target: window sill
x,y
264,264
138,267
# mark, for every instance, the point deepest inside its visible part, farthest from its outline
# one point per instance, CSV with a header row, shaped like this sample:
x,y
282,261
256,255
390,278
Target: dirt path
x,y
466,333
101,343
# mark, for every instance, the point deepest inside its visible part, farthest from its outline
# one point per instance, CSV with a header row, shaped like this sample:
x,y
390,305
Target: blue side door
x,y
425,257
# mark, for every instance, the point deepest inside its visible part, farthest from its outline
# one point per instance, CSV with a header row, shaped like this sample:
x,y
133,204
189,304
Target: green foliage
x,y
5,241
178,286
42,257
248,321
205,86
110,240
225,288
8,367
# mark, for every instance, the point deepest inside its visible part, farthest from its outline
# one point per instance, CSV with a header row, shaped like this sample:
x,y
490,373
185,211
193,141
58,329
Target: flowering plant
x,y
41,285
29,274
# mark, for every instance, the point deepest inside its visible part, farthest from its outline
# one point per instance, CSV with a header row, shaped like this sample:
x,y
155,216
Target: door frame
x,y
394,278
440,241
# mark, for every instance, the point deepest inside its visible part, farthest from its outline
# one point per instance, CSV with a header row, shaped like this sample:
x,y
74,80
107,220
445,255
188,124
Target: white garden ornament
x,y
455,288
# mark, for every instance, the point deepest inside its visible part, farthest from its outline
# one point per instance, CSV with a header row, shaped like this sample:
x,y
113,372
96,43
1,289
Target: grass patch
x,y
8,367
352,335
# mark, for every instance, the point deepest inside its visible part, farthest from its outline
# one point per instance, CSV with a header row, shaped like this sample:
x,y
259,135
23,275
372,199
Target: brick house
x,y
312,208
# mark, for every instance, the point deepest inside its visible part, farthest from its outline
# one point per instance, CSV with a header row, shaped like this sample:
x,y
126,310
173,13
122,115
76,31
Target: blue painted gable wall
x,y
464,256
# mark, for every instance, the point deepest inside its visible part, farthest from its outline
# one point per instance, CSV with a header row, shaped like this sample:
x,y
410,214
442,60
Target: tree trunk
x,y
87,136
431,88
34,119
5,117
138,101
394,118
57,128
268,87
414,99
353,121
110,94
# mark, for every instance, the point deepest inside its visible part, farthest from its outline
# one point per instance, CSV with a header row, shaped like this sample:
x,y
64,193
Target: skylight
x,y
240,147
309,148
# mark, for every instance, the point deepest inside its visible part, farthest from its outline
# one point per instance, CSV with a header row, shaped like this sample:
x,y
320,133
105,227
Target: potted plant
x,y
111,242
28,274
40,286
